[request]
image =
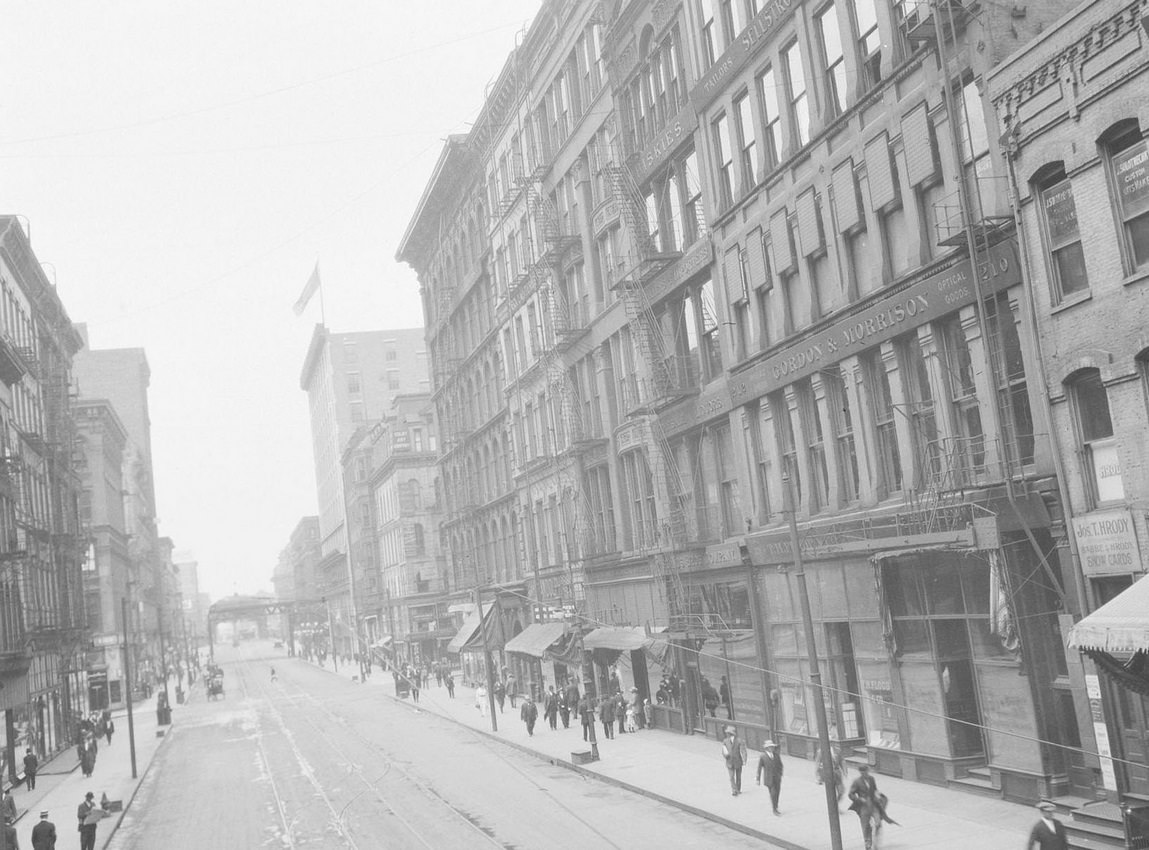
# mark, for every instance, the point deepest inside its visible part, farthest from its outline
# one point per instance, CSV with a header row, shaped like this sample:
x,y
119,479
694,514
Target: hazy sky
x,y
183,165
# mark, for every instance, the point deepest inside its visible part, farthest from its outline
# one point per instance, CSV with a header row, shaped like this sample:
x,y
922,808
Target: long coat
x,y
44,835
770,769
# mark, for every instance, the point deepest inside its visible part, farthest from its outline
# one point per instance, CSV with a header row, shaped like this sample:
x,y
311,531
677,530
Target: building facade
x,y
1074,103
350,380
42,545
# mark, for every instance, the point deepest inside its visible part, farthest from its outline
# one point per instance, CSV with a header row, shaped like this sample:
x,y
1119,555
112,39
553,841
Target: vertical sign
x,y
1100,731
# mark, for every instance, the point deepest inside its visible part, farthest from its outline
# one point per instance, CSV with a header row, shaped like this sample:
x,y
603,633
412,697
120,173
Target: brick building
x,y
1075,103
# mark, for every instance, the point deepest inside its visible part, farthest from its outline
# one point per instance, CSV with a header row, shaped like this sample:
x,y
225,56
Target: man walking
x,y
529,714
512,688
449,681
606,714
867,802
734,752
571,698
44,834
1048,833
31,765
586,714
770,772
551,708
8,806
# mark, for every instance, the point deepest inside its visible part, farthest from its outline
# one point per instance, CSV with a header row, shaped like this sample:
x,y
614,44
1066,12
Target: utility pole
x,y
331,636
128,684
829,785
487,662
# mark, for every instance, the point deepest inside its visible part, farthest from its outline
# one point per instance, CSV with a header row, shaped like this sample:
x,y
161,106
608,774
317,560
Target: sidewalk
x,y
687,771
60,786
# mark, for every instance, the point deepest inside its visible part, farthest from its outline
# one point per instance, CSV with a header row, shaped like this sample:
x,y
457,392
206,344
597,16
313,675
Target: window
x,y
711,351
725,158
869,43
354,385
882,402
727,481
835,61
357,411
787,447
746,141
1129,165
815,447
763,461
1063,237
921,413
1095,429
692,206
842,421
711,43
640,489
1012,389
966,409
351,352
796,93
768,104
390,354
602,509
652,220
974,144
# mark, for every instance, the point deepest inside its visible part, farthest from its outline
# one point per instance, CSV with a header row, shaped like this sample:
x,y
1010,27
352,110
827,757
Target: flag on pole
x,y
309,289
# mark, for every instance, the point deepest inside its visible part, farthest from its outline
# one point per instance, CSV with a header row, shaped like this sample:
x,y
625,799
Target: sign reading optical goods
x,y
1107,543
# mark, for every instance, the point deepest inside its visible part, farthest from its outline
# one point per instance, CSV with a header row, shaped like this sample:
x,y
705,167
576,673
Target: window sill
x,y
1071,302
1136,277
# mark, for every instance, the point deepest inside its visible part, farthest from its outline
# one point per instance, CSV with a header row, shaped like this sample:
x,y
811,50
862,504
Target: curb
x,y
610,780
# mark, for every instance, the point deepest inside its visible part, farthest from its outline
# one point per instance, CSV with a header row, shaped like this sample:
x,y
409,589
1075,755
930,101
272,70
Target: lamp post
x,y
128,684
815,671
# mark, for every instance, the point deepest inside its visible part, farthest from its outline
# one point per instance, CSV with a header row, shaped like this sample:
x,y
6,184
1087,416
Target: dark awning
x,y
623,638
535,639
1120,625
468,636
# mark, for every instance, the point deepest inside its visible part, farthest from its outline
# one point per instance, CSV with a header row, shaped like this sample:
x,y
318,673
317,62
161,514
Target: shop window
x,y
1128,156
1095,432
1063,250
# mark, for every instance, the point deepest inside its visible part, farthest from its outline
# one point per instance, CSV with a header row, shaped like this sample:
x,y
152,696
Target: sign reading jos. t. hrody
x,y
1107,542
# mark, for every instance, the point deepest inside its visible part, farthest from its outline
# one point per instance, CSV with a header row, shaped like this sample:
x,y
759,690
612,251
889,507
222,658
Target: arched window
x,y
1064,253
1098,447
1125,150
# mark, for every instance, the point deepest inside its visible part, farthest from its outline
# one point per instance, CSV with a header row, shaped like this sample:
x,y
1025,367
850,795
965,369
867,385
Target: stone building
x,y
1072,104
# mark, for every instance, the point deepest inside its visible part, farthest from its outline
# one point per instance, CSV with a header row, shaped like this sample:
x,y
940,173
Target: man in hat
x,y
734,752
770,772
87,825
1048,833
869,804
44,834
31,765
8,806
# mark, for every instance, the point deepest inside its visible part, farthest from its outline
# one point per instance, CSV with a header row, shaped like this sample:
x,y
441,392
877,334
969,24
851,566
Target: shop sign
x,y
1100,730
1061,214
929,299
665,141
760,28
605,215
1132,169
1107,470
694,411
1107,542
698,257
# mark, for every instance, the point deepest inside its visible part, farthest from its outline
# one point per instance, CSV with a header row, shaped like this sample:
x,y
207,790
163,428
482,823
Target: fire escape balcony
x,y
950,221
922,20
13,367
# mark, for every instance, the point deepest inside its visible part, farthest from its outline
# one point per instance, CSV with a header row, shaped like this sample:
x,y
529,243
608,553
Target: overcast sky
x,y
182,166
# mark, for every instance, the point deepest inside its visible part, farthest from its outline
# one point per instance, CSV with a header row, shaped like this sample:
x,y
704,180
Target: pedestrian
x,y
572,697
44,834
551,708
648,713
586,714
709,697
734,753
675,690
770,772
9,840
272,675
481,700
439,675
615,684
415,688
606,715
868,803
1048,833
500,694
631,717
724,696
8,805
565,709
529,713
620,712
512,687
110,727
839,766
87,825
449,681
31,765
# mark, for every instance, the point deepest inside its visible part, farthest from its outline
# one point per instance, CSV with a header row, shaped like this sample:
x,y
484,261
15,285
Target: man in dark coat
x,y
571,697
500,694
734,753
87,830
8,806
551,708
868,803
1048,833
529,714
586,714
606,714
9,840
44,834
31,765
770,772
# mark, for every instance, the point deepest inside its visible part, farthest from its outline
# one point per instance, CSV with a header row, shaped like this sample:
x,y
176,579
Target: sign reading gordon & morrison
x,y
928,299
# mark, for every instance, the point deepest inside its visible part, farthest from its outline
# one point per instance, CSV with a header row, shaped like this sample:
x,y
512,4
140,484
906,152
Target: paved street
x,y
327,762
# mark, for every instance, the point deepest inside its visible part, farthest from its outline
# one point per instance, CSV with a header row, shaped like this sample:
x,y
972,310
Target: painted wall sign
x,y
760,28
665,141
604,215
691,412
697,257
1107,542
928,299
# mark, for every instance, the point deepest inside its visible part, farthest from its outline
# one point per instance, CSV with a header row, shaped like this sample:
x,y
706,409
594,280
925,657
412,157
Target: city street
x,y
326,762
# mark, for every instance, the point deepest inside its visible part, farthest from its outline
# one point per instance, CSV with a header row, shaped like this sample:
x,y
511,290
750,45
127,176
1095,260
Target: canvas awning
x,y
1120,625
535,639
620,638
468,636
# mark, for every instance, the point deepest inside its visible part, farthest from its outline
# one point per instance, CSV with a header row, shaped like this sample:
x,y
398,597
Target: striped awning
x,y
1120,625
535,639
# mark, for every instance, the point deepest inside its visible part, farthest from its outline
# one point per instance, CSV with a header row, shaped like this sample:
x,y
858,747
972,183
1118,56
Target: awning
x,y
1120,625
535,639
624,638
468,636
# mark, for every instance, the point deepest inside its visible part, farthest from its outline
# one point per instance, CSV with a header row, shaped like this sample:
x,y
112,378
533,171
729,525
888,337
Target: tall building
x,y
350,380
43,636
193,611
699,269
1072,104
121,376
101,442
